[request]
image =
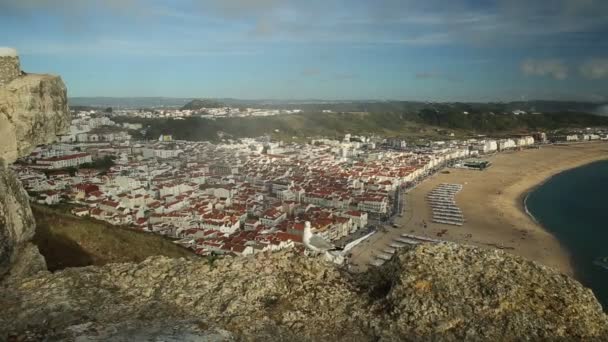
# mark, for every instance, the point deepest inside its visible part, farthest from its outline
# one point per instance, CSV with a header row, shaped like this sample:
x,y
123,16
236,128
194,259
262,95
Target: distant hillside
x,y
198,104
424,123
313,105
485,120
129,102
281,126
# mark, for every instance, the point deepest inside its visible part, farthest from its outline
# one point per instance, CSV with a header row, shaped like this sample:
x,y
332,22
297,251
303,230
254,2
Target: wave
x,y
528,211
602,262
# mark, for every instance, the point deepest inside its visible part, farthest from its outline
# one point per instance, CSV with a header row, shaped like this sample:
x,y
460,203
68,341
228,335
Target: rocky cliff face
x,y
433,292
16,228
33,110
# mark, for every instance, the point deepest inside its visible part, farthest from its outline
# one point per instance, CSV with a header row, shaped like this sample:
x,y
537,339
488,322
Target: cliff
x,y
33,110
432,292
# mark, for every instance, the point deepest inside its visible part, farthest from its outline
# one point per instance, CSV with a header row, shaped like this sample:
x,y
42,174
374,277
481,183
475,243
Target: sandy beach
x,y
492,204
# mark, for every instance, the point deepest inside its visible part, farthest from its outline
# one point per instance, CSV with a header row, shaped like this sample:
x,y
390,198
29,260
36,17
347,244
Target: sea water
x,y
573,206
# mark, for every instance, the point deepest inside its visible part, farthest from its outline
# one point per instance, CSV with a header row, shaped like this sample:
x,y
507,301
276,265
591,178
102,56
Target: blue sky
x,y
457,50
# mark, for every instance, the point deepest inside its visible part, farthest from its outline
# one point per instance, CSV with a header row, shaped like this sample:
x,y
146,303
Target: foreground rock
x,y
446,292
465,293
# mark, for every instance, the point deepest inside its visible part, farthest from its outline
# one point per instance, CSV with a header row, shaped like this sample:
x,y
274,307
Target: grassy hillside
x,y
424,122
69,241
286,126
198,104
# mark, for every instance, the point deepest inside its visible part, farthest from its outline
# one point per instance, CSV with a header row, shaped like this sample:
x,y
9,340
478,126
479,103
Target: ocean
x,y
573,206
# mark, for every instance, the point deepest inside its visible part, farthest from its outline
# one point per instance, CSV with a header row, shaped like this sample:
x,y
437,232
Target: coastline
x,y
493,204
526,206
533,188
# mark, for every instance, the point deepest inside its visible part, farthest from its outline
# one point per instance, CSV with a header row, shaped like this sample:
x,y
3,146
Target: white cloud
x,y
554,68
594,69
408,22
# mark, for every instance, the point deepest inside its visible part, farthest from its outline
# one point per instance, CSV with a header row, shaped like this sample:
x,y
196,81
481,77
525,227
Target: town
x,y
245,196
204,112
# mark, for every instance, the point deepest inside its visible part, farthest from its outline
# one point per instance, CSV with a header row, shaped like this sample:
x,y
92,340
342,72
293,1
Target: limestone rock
x,y
459,293
16,220
433,292
10,67
33,110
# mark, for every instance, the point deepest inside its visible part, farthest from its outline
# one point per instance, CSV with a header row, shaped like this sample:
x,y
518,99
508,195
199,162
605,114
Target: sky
x,y
431,50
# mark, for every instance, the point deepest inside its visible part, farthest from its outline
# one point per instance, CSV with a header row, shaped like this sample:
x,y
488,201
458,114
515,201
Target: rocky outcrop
x,y
461,293
16,225
33,110
10,67
442,292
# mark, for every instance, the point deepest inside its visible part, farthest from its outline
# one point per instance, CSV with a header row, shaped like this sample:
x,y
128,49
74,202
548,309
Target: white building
x,y
525,141
486,146
61,162
506,144
374,204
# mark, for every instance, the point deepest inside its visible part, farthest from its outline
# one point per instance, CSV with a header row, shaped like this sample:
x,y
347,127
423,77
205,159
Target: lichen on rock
x,y
433,292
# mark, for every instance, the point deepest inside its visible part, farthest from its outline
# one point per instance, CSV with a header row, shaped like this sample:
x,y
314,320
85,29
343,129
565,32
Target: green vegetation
x,y
68,241
283,126
102,164
486,122
198,104
427,122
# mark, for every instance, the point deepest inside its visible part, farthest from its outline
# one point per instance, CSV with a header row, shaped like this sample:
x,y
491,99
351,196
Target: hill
x,y
340,105
427,122
128,102
198,104
490,122
282,126
68,241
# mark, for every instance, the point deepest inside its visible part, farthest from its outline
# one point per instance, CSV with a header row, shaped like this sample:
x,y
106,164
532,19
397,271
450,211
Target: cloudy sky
x,y
331,49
